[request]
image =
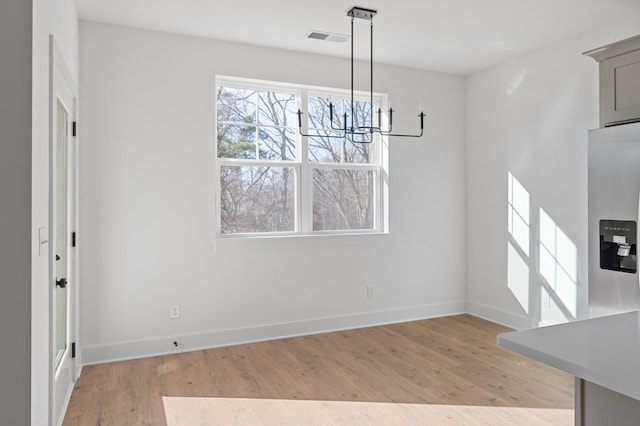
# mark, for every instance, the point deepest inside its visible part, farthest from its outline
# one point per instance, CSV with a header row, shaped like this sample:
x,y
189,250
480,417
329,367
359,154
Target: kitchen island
x,y
602,353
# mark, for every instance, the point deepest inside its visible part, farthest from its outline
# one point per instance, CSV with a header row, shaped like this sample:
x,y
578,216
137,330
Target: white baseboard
x,y
65,405
165,345
507,319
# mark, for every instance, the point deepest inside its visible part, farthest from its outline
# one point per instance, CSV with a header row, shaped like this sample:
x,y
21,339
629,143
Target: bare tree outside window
x,y
343,199
256,125
236,119
257,199
325,149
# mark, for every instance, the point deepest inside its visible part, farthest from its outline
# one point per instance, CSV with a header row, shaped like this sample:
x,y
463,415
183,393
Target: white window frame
x,y
303,209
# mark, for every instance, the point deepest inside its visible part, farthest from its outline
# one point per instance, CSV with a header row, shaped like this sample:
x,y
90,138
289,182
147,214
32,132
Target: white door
x,y
63,223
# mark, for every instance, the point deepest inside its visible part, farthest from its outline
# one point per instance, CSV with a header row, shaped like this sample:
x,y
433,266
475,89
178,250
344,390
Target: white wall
x,y
15,192
58,17
530,116
147,205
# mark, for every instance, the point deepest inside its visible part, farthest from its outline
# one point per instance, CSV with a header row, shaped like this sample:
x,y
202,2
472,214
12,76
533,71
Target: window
x,y
272,180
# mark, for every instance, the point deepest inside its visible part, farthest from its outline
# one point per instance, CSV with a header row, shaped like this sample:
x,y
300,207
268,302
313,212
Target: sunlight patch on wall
x,y
518,213
518,224
550,313
518,277
559,268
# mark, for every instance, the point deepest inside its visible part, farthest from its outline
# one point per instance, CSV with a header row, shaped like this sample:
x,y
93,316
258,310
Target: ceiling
x,y
454,36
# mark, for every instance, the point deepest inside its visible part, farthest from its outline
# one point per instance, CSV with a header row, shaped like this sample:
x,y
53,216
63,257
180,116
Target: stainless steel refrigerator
x,y
614,197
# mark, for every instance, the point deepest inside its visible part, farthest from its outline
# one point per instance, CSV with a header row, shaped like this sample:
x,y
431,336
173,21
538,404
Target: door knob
x,y
62,283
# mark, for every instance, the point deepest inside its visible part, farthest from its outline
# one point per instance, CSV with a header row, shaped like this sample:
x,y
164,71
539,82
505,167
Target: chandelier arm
x,y
402,135
389,133
299,113
366,130
364,140
322,136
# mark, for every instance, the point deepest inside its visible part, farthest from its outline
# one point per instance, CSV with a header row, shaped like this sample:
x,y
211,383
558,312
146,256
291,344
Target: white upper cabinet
x,y
619,81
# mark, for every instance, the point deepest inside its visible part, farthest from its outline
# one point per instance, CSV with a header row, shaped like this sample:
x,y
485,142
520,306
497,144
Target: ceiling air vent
x,y
321,35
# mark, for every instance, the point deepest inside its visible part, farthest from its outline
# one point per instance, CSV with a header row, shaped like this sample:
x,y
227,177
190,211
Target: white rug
x,y
181,411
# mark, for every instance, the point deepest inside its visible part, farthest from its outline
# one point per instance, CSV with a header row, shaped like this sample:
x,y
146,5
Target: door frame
x,y
60,81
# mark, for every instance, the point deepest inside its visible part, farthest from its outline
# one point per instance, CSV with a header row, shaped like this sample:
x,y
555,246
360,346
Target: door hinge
x,y
73,350
73,129
73,239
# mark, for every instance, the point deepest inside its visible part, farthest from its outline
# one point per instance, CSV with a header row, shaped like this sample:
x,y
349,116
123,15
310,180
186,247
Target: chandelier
x,y
357,133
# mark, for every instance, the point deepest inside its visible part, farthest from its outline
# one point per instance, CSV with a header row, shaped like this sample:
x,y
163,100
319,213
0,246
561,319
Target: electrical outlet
x,y
174,311
370,294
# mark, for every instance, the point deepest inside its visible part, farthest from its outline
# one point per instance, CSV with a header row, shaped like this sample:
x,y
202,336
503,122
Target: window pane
x,y
236,105
342,199
360,122
277,109
328,147
236,141
319,117
358,152
362,117
325,149
277,143
257,199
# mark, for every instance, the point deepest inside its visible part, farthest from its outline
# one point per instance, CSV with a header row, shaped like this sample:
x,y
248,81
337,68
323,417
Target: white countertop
x,y
604,350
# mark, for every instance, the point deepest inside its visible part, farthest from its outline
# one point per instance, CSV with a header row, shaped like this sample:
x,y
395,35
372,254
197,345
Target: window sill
x,y
287,241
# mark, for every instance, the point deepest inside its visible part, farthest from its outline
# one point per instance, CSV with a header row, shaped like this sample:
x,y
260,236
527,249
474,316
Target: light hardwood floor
x,y
200,411
451,361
